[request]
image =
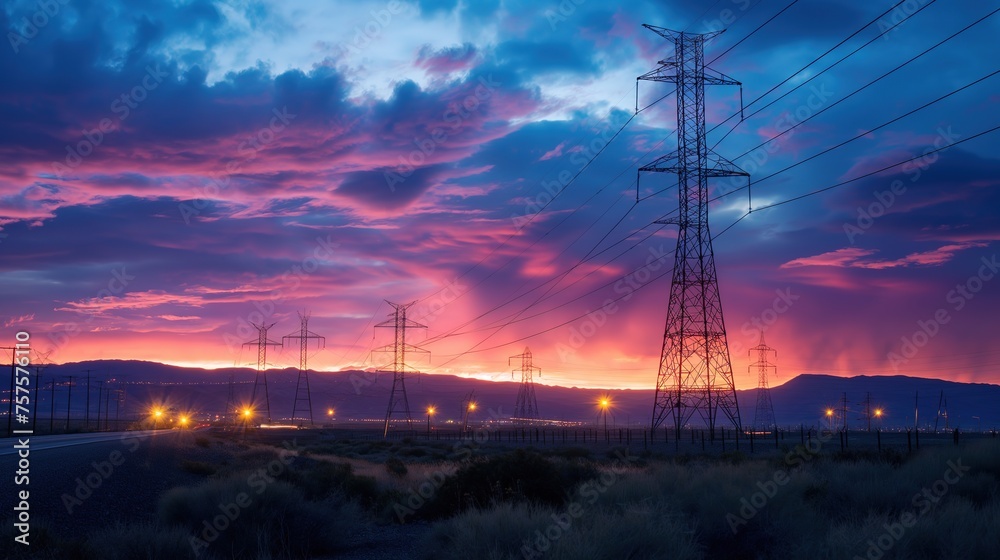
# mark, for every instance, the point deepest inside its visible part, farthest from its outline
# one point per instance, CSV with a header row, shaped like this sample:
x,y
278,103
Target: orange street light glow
x,y
329,412
878,412
430,410
472,406
829,412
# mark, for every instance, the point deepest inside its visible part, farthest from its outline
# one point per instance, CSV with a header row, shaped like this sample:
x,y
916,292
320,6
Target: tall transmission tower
x,y
261,343
302,393
763,419
695,372
397,396
526,409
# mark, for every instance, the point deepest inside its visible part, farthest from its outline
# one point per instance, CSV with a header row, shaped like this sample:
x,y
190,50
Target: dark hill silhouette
x,y
356,394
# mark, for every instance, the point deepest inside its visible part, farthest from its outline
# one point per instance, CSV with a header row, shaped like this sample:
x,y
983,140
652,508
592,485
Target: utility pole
x,y
695,373
69,400
87,414
763,419
843,409
39,366
302,393
52,405
261,343
100,394
397,396
468,405
526,407
13,374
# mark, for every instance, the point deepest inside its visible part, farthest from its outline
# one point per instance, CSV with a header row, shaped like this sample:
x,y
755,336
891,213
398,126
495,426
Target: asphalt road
x,y
81,482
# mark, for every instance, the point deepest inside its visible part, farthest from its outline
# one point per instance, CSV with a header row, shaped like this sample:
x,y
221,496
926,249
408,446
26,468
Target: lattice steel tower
x,y
763,418
302,393
526,408
695,373
261,343
399,322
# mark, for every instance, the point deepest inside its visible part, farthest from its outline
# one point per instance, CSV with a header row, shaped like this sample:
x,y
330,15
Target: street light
x,y
184,420
430,411
829,416
157,413
605,403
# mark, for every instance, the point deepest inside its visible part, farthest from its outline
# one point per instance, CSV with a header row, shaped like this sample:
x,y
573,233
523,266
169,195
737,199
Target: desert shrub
x,y
395,467
275,520
521,476
145,541
573,452
322,479
198,467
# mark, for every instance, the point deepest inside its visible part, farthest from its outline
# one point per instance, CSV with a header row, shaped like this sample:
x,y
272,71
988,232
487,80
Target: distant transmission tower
x,y
261,343
763,419
231,412
942,413
867,414
399,322
526,409
302,393
695,373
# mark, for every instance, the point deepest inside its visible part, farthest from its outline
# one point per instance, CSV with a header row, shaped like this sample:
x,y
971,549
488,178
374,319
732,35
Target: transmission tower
x,y
867,414
695,373
231,401
468,405
302,394
763,419
942,413
261,343
397,396
526,409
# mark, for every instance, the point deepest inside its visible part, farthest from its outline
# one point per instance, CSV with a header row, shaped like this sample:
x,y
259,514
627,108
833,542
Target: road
x,y
80,482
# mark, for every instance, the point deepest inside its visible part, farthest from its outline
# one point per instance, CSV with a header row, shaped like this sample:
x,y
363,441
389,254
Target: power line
x,y
866,86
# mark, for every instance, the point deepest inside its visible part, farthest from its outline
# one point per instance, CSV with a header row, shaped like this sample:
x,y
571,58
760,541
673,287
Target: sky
x,y
172,172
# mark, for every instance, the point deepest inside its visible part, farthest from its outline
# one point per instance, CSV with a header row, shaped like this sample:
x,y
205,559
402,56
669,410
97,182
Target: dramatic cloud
x,y
170,174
